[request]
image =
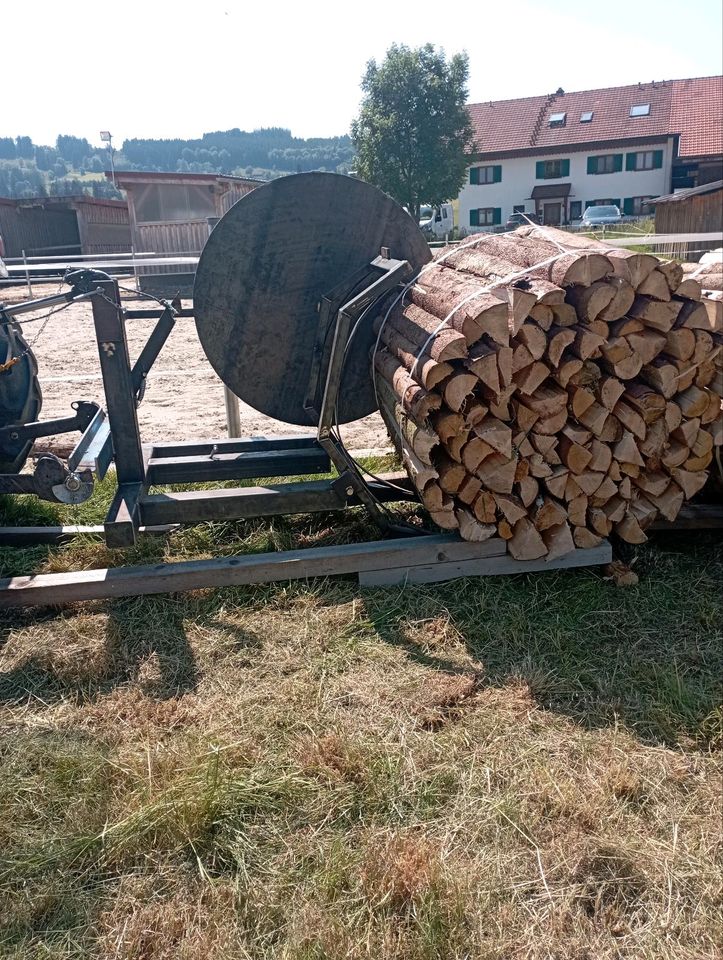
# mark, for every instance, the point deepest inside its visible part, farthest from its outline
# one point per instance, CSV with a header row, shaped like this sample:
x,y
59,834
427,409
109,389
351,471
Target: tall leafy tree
x,y
8,150
25,147
73,149
413,131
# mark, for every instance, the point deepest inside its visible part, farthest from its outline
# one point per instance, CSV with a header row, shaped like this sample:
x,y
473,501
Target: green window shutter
x,y
628,206
474,175
497,216
565,168
616,203
589,203
657,159
496,174
540,170
474,218
630,161
592,164
618,162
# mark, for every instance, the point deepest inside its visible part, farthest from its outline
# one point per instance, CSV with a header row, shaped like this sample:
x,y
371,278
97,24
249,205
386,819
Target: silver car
x,y
600,216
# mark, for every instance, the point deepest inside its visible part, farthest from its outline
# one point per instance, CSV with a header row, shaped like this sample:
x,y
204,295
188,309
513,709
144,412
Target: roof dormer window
x,y
557,119
640,110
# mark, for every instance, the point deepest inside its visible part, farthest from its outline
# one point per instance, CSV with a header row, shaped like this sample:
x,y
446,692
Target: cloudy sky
x,y
162,69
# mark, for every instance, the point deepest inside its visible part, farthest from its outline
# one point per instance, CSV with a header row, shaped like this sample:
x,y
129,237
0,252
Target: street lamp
x,y
106,137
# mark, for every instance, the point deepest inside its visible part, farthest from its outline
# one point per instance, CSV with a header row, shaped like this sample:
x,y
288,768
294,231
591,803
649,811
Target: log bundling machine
x,y
288,295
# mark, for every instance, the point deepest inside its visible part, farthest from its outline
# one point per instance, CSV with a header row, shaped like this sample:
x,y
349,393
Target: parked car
x,y
516,220
3,269
600,216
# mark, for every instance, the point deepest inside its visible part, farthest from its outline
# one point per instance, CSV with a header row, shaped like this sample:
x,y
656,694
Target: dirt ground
x,y
184,397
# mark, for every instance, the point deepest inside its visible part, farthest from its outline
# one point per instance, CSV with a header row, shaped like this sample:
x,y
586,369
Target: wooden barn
x,y
172,213
694,210
59,226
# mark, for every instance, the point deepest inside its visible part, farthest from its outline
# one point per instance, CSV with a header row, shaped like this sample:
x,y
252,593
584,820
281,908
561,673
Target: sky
x,y
177,69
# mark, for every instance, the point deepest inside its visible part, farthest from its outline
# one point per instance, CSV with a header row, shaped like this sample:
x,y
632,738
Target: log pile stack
x,y
557,407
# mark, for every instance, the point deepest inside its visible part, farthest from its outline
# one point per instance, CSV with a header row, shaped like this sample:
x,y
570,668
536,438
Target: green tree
x,y
413,131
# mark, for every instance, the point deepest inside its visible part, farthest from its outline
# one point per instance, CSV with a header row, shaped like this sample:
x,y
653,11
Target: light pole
x,y
107,137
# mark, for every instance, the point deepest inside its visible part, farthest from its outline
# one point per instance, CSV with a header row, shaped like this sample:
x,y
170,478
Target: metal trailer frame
x,y
414,555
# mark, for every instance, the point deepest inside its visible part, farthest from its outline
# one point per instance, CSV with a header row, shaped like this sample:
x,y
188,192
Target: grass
x,y
514,767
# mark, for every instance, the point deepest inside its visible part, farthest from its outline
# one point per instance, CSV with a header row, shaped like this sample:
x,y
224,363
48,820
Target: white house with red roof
x,y
556,155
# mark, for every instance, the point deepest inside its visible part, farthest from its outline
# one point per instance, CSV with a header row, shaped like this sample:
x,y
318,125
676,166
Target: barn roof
x,y
162,176
679,195
692,108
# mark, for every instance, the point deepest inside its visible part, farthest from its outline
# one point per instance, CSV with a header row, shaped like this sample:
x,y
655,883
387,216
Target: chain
x,y
31,343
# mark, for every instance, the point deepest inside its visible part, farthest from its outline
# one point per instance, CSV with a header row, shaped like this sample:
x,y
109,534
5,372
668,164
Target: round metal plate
x,y
261,276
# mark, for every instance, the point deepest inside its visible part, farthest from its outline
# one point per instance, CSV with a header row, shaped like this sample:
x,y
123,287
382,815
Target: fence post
x,y
230,400
27,276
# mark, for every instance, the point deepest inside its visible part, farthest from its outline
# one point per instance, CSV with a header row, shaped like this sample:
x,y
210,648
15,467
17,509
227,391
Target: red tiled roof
x,y
505,124
697,115
693,108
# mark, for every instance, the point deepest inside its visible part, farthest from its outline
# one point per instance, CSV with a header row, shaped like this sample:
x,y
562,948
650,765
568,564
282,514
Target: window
x,y
485,217
575,209
552,169
557,119
644,160
518,208
482,175
633,206
586,117
610,163
156,202
640,110
608,202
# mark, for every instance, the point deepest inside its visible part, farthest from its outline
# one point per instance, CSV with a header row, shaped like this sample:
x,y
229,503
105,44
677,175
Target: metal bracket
x,y
51,480
382,275
85,412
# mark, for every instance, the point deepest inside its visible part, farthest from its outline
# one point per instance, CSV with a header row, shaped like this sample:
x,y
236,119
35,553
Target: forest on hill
x,y
73,165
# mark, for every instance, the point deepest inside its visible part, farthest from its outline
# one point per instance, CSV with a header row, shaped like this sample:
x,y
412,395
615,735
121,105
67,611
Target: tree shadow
x,y
650,657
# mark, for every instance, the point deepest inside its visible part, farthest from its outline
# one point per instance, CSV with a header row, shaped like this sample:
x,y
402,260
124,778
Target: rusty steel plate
x,y
261,276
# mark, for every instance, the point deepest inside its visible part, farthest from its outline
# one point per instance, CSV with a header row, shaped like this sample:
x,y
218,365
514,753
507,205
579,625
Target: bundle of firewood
x,y
549,390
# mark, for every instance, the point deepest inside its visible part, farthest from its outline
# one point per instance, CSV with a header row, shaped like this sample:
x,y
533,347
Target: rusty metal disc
x,y
261,276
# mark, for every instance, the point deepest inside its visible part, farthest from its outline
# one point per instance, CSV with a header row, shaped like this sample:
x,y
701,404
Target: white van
x,y
437,221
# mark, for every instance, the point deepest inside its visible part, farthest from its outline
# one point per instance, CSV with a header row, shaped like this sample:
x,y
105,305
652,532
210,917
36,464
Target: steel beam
x,y
236,466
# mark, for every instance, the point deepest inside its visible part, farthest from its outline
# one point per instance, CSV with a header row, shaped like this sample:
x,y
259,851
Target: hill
x,y
73,165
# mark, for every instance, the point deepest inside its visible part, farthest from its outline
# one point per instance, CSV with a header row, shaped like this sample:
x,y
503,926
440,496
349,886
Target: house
x,y
60,226
693,210
556,155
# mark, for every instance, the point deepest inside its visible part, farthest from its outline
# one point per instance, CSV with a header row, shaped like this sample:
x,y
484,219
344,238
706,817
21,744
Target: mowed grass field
x,y
519,767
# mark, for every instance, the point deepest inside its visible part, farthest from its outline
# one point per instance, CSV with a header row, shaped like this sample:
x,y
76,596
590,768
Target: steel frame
x,y
116,436
137,508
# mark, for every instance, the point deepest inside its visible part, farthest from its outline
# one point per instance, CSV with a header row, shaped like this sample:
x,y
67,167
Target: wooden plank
x,y
57,588
482,567
693,516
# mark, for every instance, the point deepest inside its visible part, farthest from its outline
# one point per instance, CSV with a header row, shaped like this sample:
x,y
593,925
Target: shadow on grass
x,y
650,657
144,641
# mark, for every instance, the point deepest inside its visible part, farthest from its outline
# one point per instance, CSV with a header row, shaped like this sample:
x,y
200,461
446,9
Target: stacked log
x,y
551,391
